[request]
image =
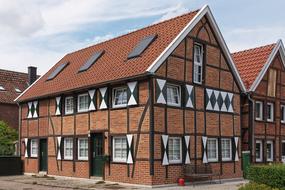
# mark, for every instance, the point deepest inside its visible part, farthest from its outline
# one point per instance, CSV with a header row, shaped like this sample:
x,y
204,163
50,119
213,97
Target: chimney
x,y
32,72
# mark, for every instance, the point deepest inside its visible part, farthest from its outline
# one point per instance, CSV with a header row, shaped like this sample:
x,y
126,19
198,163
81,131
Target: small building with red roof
x,y
263,109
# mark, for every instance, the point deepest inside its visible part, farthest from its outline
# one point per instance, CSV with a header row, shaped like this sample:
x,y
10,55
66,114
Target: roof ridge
x,y
250,49
18,72
120,36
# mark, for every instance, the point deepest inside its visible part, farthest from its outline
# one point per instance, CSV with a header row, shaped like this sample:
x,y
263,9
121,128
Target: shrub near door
x,y
272,175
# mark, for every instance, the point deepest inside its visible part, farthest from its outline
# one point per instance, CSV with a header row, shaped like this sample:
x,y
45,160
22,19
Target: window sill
x,y
82,159
82,111
173,105
69,113
120,106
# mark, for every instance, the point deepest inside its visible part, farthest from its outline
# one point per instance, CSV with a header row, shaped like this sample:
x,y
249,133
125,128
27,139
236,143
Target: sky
x,y
39,33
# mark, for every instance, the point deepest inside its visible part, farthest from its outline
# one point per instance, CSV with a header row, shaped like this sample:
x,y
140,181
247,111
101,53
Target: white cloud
x,y
39,33
245,38
179,9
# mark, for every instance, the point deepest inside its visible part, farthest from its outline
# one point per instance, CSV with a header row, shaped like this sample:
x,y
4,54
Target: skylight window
x,y
142,46
91,61
2,88
57,71
18,90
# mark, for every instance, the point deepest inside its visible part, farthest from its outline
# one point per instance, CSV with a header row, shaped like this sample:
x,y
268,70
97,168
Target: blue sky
x,y
39,33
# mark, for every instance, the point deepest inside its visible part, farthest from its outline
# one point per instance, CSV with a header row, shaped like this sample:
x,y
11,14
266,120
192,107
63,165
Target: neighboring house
x,y
152,100
263,111
12,84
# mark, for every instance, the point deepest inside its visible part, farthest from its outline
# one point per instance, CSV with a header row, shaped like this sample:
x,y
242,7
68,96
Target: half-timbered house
x,y
263,108
137,108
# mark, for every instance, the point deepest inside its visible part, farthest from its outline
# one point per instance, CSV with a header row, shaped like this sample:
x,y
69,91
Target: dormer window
x,y
2,88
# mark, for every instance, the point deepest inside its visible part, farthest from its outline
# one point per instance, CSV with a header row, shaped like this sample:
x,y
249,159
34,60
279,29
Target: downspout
x,y
19,131
251,125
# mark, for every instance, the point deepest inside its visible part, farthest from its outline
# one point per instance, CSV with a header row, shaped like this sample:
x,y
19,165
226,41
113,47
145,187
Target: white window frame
x,y
114,97
260,111
175,161
78,102
282,113
78,149
282,156
34,144
270,159
68,157
231,149
217,151
65,105
198,64
272,112
116,159
260,159
178,93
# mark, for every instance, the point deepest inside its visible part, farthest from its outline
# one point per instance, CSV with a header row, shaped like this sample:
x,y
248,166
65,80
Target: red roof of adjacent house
x,y
250,62
11,80
113,65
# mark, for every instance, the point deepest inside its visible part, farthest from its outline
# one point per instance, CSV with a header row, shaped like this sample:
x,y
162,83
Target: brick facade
x,y
263,130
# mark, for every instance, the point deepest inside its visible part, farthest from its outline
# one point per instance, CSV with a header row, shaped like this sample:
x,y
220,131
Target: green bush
x,y
7,138
271,175
256,186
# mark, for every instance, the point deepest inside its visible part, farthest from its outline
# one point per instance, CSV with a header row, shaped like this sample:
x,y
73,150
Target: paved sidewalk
x,y
45,183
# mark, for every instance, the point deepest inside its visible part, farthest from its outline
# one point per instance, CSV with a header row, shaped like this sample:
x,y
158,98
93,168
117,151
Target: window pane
x,y
83,102
174,149
120,96
120,149
212,149
226,148
173,95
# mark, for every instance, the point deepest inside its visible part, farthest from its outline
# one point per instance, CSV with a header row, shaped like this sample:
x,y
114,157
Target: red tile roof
x,y
250,62
113,65
11,80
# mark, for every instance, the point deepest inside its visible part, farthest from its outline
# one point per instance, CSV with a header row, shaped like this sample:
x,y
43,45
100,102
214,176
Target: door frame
x,y
39,154
90,152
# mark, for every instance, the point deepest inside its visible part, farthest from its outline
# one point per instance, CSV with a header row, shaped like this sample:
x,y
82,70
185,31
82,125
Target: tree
x,y
8,136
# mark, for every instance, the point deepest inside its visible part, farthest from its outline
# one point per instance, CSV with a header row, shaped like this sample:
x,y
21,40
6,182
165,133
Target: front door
x,y
97,155
43,155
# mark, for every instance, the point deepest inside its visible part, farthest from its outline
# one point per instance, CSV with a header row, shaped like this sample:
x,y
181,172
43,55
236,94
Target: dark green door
x,y
43,155
97,155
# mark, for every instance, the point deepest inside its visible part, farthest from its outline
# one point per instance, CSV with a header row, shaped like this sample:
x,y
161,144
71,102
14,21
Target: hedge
x,y
256,186
271,175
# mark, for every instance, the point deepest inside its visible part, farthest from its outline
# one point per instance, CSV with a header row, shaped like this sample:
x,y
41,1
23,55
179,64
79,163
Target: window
x,y
120,149
283,151
258,110
18,90
258,151
120,98
173,95
68,148
34,148
226,149
271,89
282,113
270,111
83,102
69,105
198,63
175,150
269,151
83,149
212,149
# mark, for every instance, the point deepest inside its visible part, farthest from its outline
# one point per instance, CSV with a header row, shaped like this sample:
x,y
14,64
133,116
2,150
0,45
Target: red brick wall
x,y
217,75
264,130
10,114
